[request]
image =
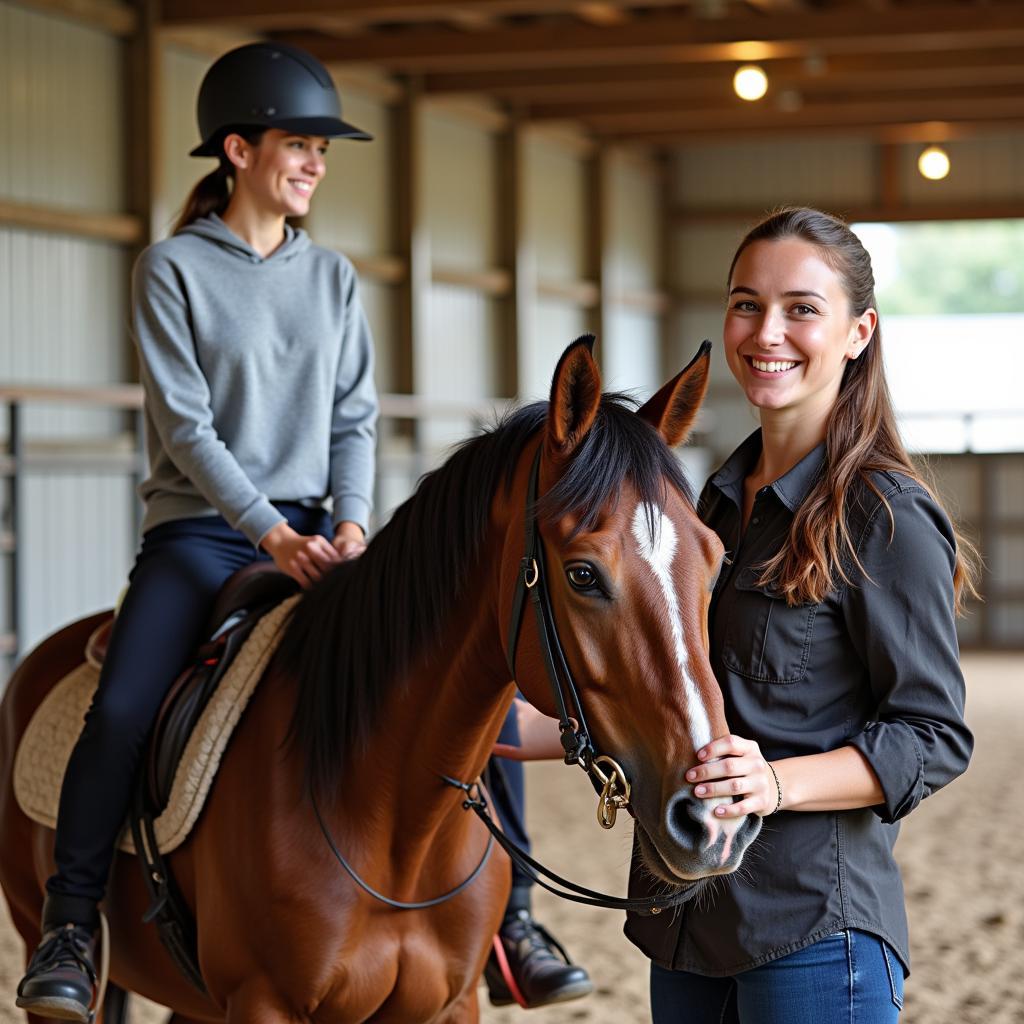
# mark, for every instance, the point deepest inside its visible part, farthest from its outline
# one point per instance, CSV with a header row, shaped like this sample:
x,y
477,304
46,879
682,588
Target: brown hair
x,y
213,193
861,434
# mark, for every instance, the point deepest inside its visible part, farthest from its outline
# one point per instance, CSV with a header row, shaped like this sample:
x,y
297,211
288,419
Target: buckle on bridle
x,y
611,799
531,572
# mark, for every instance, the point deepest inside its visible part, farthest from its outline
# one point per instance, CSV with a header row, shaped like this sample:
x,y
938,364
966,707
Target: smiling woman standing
x,y
257,365
832,636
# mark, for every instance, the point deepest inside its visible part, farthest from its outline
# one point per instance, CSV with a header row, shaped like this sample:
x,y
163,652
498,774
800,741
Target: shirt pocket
x,y
766,640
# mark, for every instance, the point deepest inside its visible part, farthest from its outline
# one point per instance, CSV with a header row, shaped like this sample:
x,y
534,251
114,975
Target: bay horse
x,y
391,673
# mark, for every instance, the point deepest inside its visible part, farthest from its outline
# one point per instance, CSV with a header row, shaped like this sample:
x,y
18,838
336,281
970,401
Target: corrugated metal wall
x,y
60,101
63,300
556,226
458,356
181,73
633,359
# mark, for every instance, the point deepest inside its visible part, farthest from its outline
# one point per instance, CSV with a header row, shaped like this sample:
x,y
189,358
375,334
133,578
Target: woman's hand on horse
x,y
731,766
304,558
349,540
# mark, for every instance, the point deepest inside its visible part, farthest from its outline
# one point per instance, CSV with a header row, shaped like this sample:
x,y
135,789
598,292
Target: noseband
x,y
607,776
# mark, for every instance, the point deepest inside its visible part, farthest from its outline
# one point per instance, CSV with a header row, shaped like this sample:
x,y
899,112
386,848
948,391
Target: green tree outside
x,y
956,267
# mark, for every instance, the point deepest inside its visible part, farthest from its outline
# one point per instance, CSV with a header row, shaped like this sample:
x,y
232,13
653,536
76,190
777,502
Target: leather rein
x,y
575,738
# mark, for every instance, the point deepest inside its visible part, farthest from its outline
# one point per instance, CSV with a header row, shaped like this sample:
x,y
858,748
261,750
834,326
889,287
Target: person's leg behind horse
x,y
177,575
535,962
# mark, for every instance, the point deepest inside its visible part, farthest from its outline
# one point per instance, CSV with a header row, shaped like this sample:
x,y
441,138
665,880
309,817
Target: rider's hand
x,y
304,558
732,766
349,540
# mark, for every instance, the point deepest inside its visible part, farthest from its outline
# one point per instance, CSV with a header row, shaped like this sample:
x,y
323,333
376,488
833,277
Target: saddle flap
x,y
191,692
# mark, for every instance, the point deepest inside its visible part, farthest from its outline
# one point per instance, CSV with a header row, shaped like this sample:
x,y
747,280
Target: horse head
x,y
627,570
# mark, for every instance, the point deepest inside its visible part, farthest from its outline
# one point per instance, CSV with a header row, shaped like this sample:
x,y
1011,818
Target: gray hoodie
x,y
258,376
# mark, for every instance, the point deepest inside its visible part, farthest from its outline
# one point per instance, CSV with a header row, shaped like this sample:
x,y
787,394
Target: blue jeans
x,y
851,977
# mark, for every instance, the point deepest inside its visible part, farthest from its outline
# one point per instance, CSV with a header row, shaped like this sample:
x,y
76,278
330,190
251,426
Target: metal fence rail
x,y
403,455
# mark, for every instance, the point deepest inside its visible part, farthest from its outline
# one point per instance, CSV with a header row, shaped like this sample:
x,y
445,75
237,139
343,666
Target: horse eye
x,y
582,576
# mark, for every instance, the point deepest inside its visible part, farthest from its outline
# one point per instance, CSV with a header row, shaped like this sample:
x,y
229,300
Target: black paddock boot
x,y
539,967
61,981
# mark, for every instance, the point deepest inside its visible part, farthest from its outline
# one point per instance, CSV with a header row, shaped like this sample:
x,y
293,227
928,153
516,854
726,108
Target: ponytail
x,y
210,195
213,193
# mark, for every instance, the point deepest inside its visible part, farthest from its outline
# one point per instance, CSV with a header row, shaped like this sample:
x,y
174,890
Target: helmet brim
x,y
328,127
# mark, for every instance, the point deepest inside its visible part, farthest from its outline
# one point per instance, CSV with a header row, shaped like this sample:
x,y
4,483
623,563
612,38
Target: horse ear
x,y
575,397
674,408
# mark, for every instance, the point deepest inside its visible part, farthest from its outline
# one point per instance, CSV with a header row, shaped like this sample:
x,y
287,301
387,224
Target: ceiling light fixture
x,y
933,163
750,82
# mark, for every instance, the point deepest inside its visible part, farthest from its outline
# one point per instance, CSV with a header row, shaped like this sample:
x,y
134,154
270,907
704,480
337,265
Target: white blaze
x,y
658,550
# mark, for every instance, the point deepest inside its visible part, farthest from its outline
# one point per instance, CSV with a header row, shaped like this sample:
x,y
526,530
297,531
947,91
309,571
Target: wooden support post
x,y
988,529
666,283
142,120
412,243
12,640
516,255
598,249
889,188
142,72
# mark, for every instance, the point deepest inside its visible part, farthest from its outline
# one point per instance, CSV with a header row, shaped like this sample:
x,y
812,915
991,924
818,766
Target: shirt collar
x,y
791,488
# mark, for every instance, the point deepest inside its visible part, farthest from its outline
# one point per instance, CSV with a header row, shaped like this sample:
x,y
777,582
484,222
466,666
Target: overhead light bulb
x,y
933,163
750,82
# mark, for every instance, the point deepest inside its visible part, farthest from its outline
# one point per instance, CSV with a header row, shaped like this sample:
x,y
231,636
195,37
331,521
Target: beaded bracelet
x,y
778,790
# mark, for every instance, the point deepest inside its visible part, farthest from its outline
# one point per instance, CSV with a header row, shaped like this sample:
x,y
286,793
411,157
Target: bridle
x,y
575,736
607,774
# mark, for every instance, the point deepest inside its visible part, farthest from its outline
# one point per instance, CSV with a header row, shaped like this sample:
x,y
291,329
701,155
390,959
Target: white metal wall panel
x,y
555,325
78,570
556,204
701,257
460,192
1008,493
827,173
354,206
63,321
631,357
634,223
60,112
62,318
457,358
182,72
982,169
379,304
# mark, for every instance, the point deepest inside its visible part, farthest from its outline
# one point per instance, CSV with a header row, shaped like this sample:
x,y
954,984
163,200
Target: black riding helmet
x,y
269,85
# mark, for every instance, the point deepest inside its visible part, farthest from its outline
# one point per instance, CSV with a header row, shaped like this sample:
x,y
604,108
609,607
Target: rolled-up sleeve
x,y
901,620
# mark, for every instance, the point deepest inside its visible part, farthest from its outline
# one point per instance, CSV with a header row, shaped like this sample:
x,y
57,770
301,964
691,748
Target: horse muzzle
x,y
690,842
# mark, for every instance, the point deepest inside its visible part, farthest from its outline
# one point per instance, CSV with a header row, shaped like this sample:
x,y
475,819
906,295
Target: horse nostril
x,y
684,821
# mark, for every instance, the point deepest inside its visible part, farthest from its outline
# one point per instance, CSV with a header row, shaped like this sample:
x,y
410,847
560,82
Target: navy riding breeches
x,y
177,575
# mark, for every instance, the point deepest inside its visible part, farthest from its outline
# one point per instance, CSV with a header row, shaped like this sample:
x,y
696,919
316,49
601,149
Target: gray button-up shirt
x,y
875,666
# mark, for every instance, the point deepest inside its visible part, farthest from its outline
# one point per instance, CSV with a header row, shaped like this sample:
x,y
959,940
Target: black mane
x,y
350,638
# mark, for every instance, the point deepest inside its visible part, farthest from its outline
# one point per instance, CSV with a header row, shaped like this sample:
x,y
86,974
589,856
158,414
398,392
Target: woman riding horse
x,y
248,337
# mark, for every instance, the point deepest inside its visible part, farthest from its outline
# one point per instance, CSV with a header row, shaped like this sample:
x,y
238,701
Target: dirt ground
x,y
960,854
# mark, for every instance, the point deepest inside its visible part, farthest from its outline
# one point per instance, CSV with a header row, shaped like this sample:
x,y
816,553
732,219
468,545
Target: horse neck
x,y
442,718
